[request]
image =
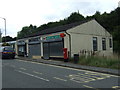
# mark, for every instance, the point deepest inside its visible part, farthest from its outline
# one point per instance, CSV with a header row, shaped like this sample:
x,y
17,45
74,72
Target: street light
x,y
0,36
5,26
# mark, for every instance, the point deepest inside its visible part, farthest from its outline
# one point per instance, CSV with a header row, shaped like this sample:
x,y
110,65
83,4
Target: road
x,y
26,74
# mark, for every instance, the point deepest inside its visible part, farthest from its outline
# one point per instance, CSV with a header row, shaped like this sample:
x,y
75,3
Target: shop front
x,y
22,48
53,46
34,47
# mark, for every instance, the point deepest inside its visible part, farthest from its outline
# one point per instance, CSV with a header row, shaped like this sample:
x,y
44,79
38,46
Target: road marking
x,y
22,68
86,77
96,73
80,79
60,79
21,60
118,87
37,72
69,68
98,76
33,75
88,86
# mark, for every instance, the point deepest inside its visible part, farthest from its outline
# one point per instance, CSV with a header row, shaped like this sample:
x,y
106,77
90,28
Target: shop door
x,y
46,53
21,50
34,50
56,49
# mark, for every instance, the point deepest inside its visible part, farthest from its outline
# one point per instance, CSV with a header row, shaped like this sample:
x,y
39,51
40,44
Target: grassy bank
x,y
99,62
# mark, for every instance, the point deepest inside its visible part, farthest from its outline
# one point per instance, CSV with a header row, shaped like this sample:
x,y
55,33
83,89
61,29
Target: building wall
x,y
82,38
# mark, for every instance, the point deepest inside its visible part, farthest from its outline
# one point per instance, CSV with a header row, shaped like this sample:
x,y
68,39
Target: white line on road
x,y
60,79
33,75
37,72
116,87
87,86
69,68
22,68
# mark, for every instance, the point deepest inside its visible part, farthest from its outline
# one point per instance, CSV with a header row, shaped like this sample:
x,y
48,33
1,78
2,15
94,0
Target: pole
x,y
5,27
0,36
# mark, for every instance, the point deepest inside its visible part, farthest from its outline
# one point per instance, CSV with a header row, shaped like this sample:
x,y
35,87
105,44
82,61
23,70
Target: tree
x,y
8,38
75,17
26,30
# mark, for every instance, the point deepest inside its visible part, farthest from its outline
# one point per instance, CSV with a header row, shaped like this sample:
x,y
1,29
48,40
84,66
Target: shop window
x,y
103,43
95,46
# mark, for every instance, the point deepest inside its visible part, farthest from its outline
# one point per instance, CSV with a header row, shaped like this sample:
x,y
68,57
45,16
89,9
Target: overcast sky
x,y
20,13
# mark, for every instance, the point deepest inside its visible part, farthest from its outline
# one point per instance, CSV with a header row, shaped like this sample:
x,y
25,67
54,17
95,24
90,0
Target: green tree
x,y
26,30
7,38
75,17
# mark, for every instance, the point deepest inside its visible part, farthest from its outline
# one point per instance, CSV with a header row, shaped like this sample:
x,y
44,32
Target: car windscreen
x,y
1,49
8,49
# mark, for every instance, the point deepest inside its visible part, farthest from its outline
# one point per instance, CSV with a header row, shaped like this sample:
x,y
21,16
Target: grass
x,y
99,62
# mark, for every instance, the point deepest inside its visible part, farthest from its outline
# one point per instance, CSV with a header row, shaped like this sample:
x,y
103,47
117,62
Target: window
x,y
103,43
95,44
8,48
110,43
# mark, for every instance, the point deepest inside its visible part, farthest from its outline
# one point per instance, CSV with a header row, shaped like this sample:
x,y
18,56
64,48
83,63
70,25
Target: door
x,y
21,50
46,53
56,49
34,50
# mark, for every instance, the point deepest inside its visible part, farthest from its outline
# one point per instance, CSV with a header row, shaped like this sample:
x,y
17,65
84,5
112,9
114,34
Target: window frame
x,y
110,43
104,44
95,44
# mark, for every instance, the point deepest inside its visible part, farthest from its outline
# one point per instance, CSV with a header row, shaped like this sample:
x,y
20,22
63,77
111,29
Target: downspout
x,y
69,43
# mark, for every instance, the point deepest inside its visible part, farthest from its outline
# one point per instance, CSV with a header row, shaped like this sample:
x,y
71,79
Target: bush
x,y
100,62
5,44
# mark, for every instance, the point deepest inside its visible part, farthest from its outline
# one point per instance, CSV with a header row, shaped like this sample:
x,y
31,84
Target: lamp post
x,y
5,27
0,36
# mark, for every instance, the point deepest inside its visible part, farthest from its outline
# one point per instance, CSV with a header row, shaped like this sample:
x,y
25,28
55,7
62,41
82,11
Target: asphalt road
x,y
26,74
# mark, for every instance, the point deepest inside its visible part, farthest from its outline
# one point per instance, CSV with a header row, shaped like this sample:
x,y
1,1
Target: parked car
x,y
7,52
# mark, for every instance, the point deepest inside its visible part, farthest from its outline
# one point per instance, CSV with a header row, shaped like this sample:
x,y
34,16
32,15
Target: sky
x,y
20,13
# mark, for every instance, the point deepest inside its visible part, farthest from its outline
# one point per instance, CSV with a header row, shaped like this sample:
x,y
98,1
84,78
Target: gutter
x,y
69,43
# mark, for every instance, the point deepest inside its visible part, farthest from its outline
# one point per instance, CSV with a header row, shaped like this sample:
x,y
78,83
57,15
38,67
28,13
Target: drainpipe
x,y
69,43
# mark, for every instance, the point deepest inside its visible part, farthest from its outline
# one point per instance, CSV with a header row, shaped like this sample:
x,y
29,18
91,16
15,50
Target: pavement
x,y
73,65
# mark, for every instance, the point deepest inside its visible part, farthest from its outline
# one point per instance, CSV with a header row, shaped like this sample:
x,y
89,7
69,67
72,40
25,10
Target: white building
x,y
86,37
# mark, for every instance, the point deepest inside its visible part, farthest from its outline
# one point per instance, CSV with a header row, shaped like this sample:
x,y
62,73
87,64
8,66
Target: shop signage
x,y
53,37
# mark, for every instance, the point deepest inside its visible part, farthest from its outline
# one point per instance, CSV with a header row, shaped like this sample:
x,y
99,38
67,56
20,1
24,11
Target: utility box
x,y
76,58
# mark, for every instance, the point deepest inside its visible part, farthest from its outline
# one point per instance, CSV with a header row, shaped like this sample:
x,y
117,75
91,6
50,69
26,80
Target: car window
x,y
1,49
8,48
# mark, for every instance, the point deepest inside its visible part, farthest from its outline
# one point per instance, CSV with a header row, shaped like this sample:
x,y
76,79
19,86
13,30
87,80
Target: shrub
x,y
100,62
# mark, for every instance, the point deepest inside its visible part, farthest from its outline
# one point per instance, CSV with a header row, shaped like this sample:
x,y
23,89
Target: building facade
x,y
87,37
